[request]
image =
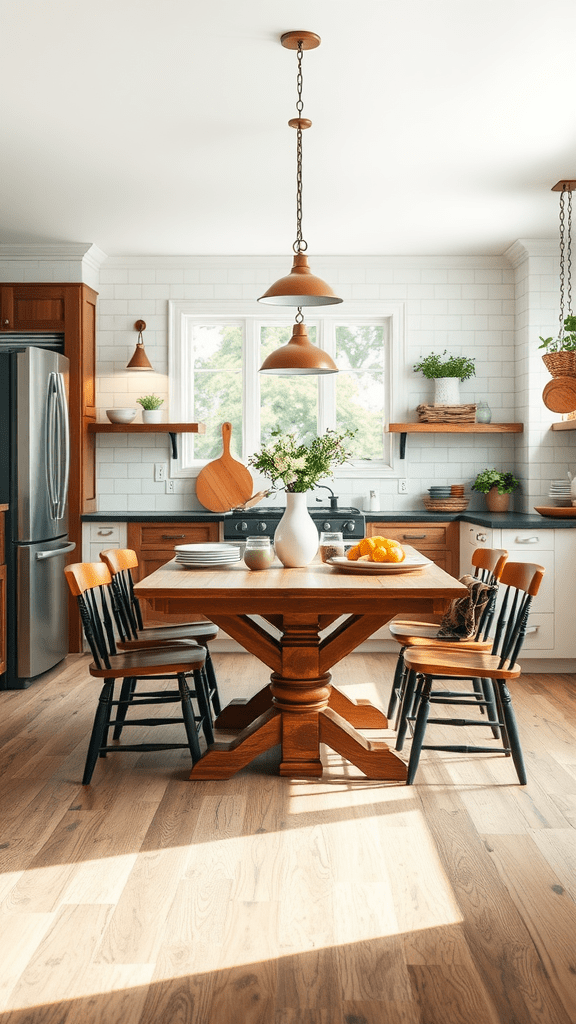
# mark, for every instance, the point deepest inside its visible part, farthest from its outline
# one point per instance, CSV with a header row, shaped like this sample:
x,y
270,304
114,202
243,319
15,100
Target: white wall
x,y
492,308
466,305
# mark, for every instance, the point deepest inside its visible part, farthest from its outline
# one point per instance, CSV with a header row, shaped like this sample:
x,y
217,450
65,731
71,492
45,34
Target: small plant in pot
x,y
560,355
446,372
151,412
497,487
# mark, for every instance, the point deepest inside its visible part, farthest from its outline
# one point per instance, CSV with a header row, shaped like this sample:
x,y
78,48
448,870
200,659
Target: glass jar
x,y
331,545
258,553
483,412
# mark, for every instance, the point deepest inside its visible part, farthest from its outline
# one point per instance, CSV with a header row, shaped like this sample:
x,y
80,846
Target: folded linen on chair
x,y
463,616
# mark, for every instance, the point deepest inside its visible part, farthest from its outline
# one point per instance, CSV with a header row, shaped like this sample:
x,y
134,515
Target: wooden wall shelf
x,y
565,425
149,428
451,428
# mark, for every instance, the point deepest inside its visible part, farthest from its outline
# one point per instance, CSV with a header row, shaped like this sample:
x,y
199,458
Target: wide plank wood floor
x,y
148,899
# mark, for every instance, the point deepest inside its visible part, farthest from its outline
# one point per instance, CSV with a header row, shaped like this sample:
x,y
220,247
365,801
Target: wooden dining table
x,y
300,623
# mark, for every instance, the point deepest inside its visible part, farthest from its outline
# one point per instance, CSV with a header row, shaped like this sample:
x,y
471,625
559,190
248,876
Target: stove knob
x,y
241,527
261,527
326,526
350,526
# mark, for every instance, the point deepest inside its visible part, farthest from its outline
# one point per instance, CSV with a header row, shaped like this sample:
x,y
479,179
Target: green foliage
x,y
566,343
488,478
298,466
289,404
434,366
150,401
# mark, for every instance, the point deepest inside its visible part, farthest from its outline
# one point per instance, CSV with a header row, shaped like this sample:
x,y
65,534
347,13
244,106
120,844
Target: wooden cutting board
x,y
224,483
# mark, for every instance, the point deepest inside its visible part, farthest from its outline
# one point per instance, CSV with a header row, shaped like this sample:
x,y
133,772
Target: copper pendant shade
x,y
139,360
299,356
300,287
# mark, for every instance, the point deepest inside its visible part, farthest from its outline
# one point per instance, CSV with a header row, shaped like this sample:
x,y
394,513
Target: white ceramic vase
x,y
152,416
446,391
296,536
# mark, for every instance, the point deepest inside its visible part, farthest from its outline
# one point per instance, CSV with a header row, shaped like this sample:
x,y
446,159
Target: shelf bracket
x,y
174,443
403,444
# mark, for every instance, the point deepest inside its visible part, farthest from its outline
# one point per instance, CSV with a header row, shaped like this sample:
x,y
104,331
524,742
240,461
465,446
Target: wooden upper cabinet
x,y
33,307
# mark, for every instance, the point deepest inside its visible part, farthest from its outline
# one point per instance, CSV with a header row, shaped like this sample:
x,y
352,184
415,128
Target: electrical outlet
x,y
403,486
169,487
159,472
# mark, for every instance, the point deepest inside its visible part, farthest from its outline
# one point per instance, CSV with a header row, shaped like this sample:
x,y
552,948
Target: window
x,y
214,360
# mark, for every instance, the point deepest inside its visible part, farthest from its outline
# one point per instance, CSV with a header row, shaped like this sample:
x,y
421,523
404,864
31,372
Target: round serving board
x,y
224,483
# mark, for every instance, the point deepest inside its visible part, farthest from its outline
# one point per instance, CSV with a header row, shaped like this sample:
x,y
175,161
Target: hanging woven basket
x,y
560,364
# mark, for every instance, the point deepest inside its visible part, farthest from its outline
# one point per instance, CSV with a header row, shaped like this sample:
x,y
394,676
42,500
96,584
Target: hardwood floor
x,y
263,900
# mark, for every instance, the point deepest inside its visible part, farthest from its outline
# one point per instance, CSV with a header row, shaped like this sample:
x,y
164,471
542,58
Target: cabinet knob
x,y
6,323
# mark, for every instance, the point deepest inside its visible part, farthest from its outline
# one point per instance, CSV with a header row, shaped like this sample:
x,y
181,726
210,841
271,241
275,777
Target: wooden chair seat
x,y
150,661
184,632
422,634
456,664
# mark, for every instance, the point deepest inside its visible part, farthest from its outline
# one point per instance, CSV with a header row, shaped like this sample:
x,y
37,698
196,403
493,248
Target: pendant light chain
x,y
299,245
565,256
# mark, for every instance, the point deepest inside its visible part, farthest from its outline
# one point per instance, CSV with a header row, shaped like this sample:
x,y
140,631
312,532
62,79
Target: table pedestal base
x,y
299,714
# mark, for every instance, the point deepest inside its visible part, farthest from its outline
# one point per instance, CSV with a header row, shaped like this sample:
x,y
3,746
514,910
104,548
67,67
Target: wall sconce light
x,y
139,360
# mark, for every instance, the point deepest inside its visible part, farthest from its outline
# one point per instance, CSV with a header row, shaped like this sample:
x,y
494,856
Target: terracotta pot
x,y
497,502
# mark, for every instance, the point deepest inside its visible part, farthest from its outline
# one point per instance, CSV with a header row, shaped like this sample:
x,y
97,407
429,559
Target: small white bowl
x,y
121,415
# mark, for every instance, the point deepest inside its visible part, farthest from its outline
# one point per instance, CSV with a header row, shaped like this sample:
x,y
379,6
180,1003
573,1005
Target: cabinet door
x,y
438,541
33,307
154,545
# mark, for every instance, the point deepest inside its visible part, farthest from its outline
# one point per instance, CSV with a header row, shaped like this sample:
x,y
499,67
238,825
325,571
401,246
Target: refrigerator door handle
x,y
51,413
63,442
41,556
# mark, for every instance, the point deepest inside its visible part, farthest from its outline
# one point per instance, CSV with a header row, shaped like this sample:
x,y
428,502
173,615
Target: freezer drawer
x,y
41,607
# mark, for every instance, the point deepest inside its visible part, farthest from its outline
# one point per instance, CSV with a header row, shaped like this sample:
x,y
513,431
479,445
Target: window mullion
x,y
326,339
251,388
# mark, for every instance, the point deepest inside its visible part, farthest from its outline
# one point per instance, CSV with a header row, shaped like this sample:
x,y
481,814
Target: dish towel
x,y
461,620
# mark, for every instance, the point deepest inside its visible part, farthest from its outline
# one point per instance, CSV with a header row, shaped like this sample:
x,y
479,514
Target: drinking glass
x,y
258,554
331,545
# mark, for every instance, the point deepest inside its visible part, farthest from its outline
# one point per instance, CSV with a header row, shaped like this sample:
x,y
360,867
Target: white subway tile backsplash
x,y
490,311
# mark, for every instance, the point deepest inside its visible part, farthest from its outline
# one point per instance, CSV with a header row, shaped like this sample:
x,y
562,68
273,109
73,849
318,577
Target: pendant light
x,y
300,287
299,356
139,360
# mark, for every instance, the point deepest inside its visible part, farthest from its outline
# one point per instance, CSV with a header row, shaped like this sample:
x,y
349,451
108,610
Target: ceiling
x,y
160,126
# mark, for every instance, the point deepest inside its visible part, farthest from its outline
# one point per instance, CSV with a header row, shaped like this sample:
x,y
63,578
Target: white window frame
x,y
182,315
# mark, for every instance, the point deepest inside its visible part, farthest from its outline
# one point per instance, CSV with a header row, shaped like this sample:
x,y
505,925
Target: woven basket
x,y
446,504
560,364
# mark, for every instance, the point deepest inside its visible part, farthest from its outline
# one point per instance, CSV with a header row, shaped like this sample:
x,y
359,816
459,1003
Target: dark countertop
x,y
492,520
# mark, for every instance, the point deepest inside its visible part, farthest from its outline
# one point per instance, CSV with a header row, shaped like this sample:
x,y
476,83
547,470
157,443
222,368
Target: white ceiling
x,y
160,126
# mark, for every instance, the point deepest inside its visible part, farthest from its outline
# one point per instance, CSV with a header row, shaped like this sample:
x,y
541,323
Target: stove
x,y
262,521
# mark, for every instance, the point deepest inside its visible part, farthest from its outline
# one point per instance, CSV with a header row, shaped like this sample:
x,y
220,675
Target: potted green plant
x,y
560,355
497,487
151,412
446,372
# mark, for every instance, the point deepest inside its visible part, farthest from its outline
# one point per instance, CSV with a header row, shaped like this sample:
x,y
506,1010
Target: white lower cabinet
x,y
551,630
96,537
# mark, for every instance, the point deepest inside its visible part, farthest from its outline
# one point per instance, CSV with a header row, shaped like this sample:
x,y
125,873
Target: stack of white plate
x,y
560,492
206,556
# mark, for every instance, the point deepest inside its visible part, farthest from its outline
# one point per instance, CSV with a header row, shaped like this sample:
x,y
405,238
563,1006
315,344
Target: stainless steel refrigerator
x,y
34,469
